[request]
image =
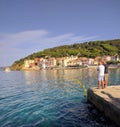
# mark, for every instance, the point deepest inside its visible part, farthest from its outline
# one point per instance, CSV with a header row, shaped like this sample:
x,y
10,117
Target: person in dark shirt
x,y
106,74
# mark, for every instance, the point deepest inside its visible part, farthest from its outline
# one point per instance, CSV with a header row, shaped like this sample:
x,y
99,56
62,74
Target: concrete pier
x,y
107,100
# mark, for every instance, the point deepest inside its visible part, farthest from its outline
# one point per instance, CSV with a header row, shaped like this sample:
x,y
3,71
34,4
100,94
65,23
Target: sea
x,y
51,98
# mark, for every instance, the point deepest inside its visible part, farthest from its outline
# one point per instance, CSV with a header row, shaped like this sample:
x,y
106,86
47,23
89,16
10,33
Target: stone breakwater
x,y
107,100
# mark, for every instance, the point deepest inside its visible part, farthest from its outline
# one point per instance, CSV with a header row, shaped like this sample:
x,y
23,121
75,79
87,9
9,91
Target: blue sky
x,y
28,26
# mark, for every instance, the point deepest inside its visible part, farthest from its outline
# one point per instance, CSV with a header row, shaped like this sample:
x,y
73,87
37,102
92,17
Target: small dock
x,y
106,100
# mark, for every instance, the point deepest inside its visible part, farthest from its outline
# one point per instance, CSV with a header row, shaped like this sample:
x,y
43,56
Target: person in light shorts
x,y
101,70
100,78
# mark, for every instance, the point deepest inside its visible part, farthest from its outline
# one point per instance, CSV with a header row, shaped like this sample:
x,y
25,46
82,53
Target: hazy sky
x,y
28,26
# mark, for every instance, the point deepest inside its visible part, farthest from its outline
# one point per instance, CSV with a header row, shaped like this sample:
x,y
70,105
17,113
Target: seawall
x,y
106,100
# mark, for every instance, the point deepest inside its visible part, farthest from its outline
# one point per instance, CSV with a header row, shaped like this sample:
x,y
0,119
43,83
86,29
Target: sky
x,y
29,26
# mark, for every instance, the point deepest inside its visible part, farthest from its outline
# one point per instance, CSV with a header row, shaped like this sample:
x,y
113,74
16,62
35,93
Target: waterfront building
x,y
115,58
27,63
51,62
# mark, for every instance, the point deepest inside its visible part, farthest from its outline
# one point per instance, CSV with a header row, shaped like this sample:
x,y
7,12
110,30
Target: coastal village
x,y
64,62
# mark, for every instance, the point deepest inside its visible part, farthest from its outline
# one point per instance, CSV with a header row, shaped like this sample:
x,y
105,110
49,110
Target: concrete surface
x,y
106,100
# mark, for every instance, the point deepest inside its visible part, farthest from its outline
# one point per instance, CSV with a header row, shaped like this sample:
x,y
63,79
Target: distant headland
x,y
75,55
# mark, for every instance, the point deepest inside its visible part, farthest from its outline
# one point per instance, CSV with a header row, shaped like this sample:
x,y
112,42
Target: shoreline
x,y
64,68
69,68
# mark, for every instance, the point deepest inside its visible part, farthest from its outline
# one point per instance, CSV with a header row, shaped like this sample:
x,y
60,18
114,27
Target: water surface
x,y
50,98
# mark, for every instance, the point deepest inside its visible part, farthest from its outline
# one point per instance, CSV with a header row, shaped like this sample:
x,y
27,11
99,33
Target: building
x,y
51,62
115,58
27,63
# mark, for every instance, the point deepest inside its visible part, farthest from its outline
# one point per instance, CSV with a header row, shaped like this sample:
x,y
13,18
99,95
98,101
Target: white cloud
x,y
17,45
21,37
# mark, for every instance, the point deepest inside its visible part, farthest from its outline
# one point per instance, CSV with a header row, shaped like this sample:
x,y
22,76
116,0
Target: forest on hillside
x,y
86,49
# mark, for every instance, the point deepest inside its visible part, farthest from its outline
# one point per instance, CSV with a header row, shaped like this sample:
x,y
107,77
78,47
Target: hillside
x,y
86,49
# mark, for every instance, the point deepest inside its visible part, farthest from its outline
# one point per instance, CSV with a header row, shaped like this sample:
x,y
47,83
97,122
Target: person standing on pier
x,y
101,70
106,74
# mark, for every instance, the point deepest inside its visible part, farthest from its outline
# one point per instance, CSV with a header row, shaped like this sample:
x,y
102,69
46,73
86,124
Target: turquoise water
x,y
50,98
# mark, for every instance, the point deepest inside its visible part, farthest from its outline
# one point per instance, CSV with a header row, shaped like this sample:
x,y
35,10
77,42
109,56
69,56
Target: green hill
x,y
86,49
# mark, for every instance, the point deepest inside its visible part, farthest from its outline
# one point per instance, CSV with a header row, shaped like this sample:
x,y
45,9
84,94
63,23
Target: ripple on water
x,y
49,99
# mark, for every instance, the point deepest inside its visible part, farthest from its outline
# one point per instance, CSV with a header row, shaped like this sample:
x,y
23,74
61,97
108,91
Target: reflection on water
x,y
87,76
51,98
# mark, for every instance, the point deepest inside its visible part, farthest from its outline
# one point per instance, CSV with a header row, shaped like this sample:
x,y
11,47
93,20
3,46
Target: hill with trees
x,y
86,49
